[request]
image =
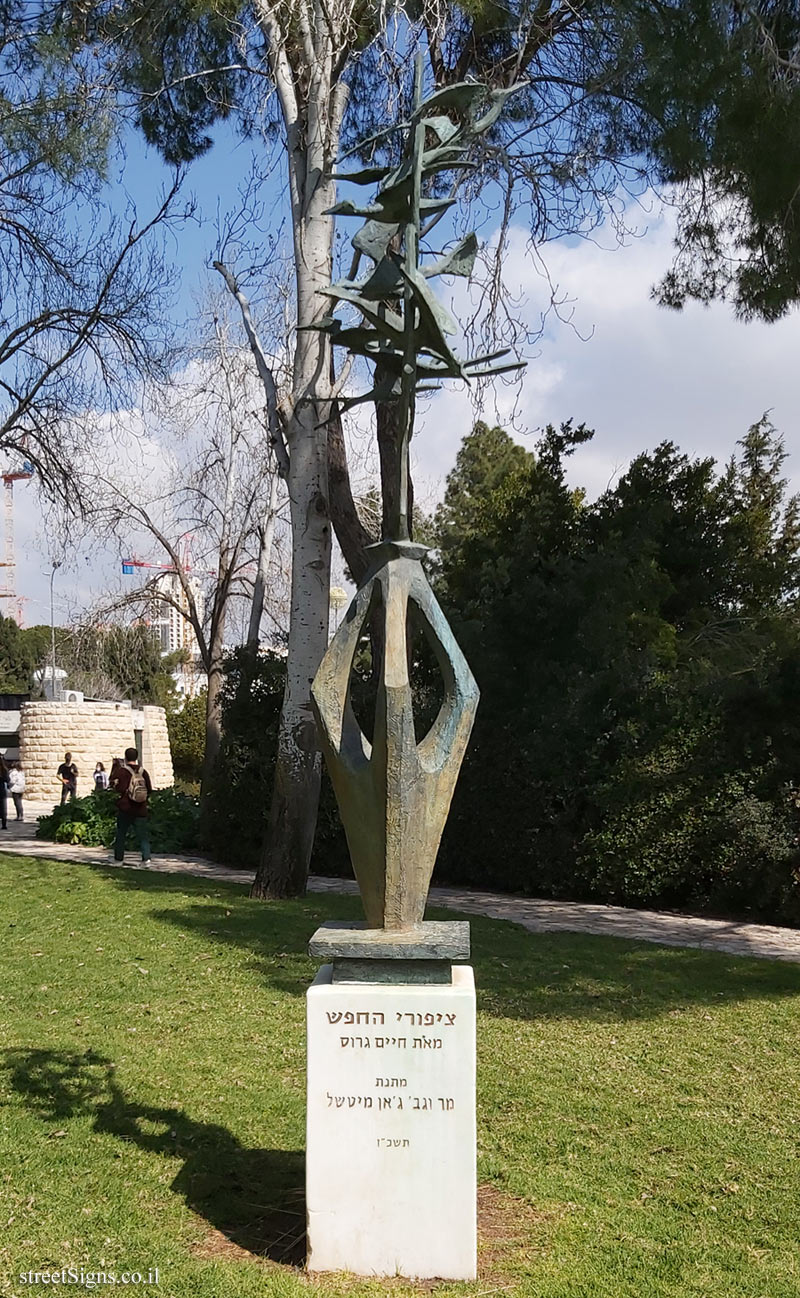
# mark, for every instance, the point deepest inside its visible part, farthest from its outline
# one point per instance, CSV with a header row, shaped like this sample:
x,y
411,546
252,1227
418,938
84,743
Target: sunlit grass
x,y
643,1101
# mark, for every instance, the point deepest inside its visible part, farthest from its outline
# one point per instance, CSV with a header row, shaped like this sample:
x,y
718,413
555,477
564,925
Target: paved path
x,y
537,916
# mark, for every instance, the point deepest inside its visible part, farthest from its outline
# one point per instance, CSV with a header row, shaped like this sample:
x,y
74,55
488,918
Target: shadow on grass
x,y
255,1198
518,974
275,934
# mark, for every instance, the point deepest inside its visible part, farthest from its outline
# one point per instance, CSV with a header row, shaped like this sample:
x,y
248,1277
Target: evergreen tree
x,y
486,456
15,659
694,97
636,739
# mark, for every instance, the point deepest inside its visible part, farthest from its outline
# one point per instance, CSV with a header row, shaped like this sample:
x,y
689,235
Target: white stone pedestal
x,y
390,1150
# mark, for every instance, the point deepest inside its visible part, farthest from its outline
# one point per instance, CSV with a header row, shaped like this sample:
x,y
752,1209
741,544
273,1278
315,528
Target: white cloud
x,y
635,372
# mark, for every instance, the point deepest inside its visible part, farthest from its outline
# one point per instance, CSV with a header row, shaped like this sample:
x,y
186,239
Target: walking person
x,y
68,775
3,794
16,783
100,777
133,784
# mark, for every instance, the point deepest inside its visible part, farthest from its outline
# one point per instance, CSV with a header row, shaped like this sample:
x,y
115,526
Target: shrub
x,y
92,821
239,798
187,737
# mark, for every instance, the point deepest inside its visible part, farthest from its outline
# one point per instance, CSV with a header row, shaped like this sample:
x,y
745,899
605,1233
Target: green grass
x,y
644,1101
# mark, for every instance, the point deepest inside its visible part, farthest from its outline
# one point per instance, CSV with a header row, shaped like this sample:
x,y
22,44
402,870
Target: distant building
x,y
50,681
170,622
170,615
190,678
10,705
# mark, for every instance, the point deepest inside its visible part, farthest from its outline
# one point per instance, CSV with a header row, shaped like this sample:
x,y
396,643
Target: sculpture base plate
x,y
431,940
390,972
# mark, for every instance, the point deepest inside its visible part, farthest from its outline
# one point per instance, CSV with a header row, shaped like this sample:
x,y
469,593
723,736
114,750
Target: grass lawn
x,y
638,1107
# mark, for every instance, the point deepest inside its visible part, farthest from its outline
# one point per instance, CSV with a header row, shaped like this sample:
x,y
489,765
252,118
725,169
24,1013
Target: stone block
x,y
390,1149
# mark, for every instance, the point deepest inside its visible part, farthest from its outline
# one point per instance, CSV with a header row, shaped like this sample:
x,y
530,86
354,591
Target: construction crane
x,y
184,563
172,622
15,602
128,566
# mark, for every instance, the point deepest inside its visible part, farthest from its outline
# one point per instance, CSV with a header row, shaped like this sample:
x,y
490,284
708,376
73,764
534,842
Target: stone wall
x,y
156,752
92,732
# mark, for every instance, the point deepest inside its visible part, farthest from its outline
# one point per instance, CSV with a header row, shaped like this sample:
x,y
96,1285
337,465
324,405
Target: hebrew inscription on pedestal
x,y
391,1128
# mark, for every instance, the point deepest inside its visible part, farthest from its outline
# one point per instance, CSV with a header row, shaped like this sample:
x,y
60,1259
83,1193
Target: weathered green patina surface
x,y
394,793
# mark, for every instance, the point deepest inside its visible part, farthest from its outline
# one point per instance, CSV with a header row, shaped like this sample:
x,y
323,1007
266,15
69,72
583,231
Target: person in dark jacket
x,y
133,785
68,775
3,794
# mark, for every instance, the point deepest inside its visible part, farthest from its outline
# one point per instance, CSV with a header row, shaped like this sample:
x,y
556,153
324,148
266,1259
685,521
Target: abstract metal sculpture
x,y
394,793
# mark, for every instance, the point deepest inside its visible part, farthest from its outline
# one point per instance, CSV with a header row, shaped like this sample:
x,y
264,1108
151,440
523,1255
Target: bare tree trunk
x,y
213,727
312,138
351,534
266,534
283,869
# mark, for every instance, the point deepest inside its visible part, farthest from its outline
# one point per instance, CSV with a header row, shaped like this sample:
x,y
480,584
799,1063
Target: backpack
x,y
137,789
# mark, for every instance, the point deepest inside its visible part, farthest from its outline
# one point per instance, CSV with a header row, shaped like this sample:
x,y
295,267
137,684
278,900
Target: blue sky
x,y
213,180
636,373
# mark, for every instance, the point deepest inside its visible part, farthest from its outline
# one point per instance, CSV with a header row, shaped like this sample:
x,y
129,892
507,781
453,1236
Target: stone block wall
x,y
92,732
156,752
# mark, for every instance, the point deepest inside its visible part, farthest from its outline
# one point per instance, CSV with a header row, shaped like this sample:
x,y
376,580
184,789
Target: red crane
x,y
184,564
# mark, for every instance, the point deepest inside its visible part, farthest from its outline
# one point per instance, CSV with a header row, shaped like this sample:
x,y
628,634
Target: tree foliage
x,y
116,662
697,98
187,737
238,803
636,658
238,799
84,288
21,652
104,661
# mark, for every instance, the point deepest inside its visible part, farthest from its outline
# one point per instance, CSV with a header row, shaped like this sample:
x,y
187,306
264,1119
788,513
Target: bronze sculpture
x,y
394,793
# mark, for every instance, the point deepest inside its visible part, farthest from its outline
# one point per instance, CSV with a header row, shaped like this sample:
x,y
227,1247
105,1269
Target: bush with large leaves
x,y
92,821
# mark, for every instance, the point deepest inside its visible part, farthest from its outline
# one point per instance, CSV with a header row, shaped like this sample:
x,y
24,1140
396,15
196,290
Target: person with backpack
x,y
133,785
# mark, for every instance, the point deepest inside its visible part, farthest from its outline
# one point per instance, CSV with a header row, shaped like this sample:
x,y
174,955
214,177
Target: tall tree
x,y
16,658
618,95
635,656
485,457
84,289
203,497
